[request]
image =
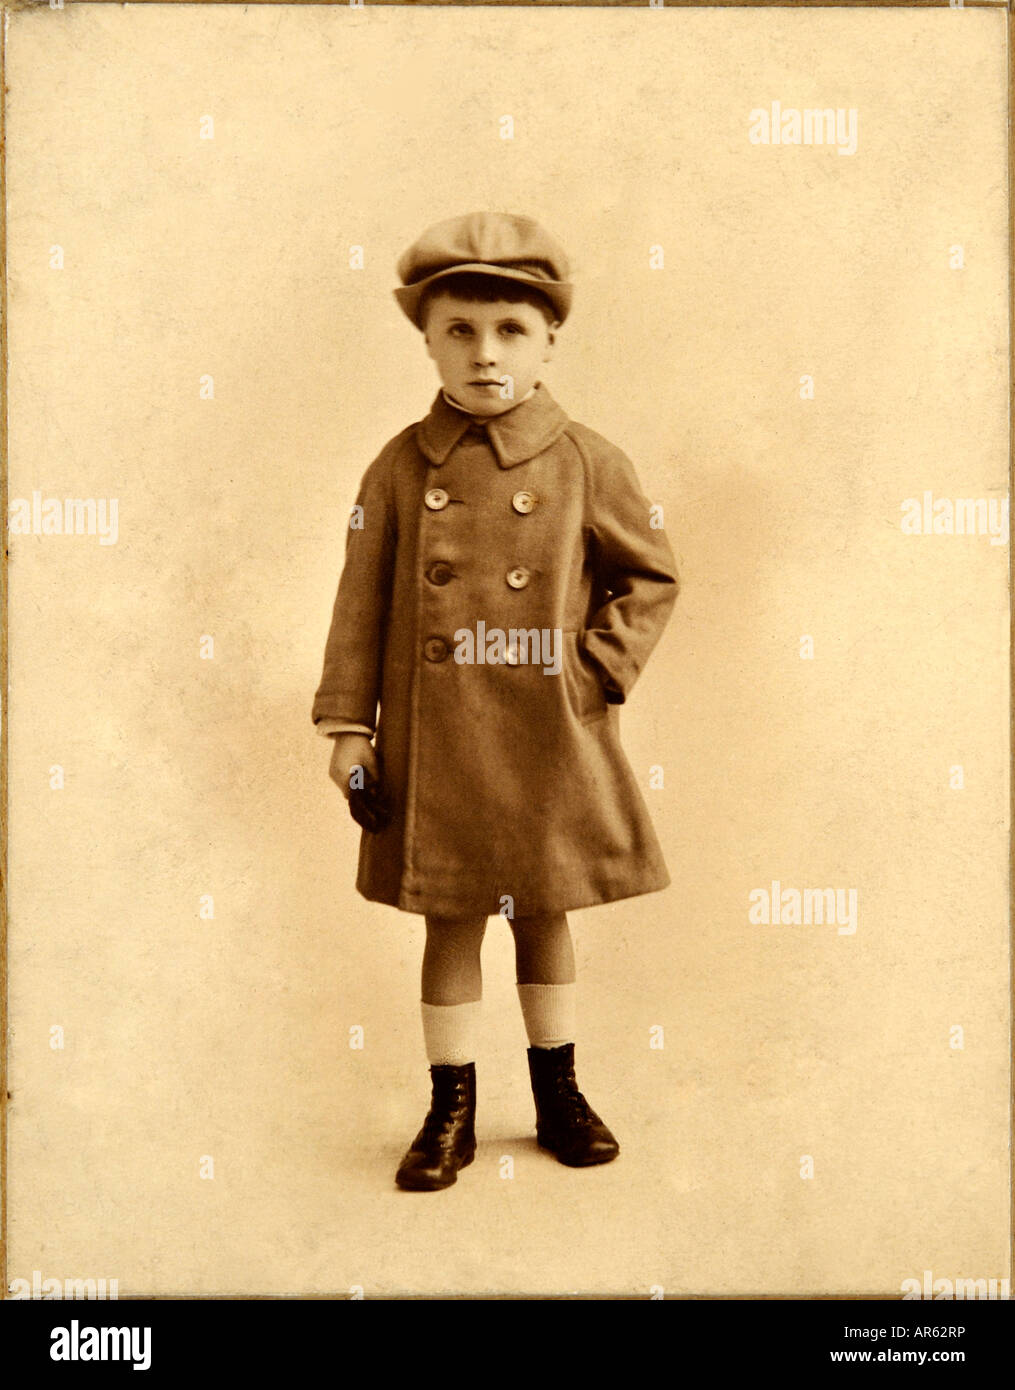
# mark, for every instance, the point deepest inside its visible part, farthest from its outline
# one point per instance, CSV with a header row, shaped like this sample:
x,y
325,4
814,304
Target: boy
x,y
503,587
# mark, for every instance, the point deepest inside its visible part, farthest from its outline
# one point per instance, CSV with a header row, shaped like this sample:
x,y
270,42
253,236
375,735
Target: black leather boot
x,y
447,1140
565,1122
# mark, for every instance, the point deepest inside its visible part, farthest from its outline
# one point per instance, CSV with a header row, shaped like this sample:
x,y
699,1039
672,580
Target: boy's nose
x,y
486,351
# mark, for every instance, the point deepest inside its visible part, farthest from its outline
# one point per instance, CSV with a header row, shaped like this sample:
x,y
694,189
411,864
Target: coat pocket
x,y
585,691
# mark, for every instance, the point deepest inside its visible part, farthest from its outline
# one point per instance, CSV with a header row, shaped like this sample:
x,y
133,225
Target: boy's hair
x,y
479,288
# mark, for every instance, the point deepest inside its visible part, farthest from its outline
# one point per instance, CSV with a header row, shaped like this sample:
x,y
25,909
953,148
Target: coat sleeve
x,y
354,651
635,568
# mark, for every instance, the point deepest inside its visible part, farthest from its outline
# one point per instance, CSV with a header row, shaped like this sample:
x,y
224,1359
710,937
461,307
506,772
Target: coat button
x,y
440,572
436,499
523,502
518,578
435,649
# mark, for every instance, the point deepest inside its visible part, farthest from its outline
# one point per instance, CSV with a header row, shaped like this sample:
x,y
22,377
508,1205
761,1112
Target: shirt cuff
x,y
327,727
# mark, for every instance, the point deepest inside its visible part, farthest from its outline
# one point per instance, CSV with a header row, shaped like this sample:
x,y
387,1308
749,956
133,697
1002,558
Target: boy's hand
x,y
352,751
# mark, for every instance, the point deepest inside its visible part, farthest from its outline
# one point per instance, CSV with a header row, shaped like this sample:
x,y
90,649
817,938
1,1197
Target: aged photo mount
x,y
774,401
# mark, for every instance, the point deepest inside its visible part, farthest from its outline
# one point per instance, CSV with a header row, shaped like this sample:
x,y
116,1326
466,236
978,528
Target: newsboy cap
x,y
499,244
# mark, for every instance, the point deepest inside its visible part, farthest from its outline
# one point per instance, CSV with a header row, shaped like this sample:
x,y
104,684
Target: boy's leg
x,y
565,1122
451,990
452,987
543,950
544,969
451,964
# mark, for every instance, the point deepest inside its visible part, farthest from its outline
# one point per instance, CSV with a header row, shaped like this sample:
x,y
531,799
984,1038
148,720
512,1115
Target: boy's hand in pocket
x,y
352,752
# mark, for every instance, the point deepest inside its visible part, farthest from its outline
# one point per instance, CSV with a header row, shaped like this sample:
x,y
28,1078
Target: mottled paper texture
x,y
215,1057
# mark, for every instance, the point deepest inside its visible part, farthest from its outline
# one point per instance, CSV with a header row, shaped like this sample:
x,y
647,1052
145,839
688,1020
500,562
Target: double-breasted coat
x,y
509,786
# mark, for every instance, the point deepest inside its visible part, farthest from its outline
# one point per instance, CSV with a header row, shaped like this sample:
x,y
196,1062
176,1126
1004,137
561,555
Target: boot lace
x,y
446,1111
572,1104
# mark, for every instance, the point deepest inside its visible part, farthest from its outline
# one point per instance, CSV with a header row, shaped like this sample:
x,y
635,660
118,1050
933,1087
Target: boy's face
x,y
476,345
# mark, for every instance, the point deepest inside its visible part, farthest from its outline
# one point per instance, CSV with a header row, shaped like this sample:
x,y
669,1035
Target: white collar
x,y
452,402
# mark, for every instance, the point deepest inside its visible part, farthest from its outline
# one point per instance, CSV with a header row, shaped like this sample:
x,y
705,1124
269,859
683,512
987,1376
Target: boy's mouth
x,y
484,382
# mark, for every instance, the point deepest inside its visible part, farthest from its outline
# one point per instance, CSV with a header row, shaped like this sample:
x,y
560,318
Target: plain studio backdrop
x,y
789,341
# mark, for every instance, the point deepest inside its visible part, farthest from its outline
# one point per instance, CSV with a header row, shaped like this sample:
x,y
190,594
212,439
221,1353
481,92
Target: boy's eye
x,y
513,328
459,329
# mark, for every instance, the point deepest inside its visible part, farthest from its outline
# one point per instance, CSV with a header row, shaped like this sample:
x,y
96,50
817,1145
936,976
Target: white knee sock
x,y
449,1033
549,1013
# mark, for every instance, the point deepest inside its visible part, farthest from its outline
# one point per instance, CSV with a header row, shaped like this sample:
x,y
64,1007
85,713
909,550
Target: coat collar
x,y
516,436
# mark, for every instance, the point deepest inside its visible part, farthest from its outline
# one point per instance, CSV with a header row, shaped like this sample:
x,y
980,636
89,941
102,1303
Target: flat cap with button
x,y
501,244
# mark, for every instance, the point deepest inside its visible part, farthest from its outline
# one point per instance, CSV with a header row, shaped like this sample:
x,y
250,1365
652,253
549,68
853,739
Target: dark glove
x,y
371,806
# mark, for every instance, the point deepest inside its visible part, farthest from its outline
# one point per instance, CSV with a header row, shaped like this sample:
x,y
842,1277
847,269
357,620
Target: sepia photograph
x,y
508,654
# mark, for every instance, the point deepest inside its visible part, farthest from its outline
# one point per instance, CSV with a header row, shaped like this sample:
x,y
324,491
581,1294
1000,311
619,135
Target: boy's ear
x,y
551,339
